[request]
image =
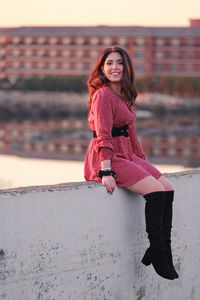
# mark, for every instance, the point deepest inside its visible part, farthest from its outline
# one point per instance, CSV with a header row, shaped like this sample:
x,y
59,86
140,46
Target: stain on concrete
x,y
141,293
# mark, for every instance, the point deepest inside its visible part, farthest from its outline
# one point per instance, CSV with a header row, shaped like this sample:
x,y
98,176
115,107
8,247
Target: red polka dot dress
x,y
108,110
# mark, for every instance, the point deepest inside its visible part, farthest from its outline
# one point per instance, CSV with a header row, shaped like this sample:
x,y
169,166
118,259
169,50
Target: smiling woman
x,y
115,156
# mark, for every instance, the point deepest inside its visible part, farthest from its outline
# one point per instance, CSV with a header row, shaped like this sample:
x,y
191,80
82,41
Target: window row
x,y
106,41
177,54
52,65
177,41
176,68
53,53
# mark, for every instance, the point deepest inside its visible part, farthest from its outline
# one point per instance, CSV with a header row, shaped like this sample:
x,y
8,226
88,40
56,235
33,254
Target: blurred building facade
x,y
29,51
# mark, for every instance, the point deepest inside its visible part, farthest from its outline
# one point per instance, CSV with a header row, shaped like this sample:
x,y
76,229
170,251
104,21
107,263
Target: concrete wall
x,y
77,242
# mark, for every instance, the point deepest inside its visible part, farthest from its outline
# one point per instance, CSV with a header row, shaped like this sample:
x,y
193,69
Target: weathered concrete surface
x,y
77,242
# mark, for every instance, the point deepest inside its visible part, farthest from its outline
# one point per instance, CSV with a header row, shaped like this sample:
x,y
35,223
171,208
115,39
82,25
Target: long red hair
x,y
97,78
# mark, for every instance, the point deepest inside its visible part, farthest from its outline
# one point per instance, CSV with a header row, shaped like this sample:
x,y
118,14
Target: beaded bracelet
x,y
106,173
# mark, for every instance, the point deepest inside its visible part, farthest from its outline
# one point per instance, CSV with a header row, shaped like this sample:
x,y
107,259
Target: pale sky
x,y
101,12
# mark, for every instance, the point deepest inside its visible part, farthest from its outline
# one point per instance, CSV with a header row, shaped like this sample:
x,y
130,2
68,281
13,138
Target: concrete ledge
x,y
75,241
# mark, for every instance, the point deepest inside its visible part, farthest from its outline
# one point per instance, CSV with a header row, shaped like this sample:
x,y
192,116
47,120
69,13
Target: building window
x,y
158,67
66,41
159,42
73,41
21,66
41,52
15,64
65,66
159,54
174,68
72,53
183,42
86,53
140,41
139,54
107,41
79,53
79,66
72,66
196,42
58,66
94,41
41,40
28,40
52,53
2,51
175,42
52,66
65,53
2,39
94,53
16,52
86,66
28,65
86,41
122,41
40,65
139,68
16,40
52,41
80,40
174,54
114,41
28,52
46,66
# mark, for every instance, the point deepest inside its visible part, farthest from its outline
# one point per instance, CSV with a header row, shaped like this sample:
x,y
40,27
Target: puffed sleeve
x,y
136,146
103,110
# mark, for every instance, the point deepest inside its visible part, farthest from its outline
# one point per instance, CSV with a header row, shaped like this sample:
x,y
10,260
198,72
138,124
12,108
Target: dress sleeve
x,y
135,144
102,106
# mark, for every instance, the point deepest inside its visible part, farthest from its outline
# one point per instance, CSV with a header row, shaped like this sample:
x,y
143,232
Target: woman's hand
x,y
110,183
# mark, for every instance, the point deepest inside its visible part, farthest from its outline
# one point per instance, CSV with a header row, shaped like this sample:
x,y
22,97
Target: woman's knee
x,y
166,183
146,185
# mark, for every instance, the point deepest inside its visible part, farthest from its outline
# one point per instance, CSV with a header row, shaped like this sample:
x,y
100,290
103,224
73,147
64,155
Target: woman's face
x,y
113,67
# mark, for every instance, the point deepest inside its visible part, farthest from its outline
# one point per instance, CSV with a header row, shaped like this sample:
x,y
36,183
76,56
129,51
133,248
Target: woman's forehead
x,y
114,56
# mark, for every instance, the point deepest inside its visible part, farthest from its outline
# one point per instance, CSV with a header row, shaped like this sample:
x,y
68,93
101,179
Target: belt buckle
x,y
126,132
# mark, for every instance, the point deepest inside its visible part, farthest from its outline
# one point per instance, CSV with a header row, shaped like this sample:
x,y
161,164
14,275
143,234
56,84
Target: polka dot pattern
x,y
127,157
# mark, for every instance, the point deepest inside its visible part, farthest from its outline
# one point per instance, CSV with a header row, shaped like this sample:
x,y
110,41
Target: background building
x,y
28,51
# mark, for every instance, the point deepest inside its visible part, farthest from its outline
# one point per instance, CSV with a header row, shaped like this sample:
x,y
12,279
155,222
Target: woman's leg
x,y
146,185
154,193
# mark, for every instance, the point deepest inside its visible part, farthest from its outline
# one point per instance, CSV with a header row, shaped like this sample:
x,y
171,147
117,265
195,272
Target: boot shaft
x,y
154,210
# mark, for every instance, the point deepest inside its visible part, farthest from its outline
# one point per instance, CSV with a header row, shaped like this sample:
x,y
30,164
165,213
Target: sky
x,y
15,13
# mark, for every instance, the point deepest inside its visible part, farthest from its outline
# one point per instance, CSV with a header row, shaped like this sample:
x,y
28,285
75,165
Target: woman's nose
x,y
115,65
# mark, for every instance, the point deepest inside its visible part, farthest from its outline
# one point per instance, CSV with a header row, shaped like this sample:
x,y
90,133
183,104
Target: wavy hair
x,y
97,78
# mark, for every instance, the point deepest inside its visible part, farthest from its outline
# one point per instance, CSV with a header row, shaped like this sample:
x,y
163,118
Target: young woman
x,y
115,156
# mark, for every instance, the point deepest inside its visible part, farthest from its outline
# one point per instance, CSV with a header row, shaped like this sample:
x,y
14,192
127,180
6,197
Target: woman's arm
x,y
103,110
136,146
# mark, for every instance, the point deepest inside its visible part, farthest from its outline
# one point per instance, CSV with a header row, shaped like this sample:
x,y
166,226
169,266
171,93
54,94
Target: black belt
x,y
117,131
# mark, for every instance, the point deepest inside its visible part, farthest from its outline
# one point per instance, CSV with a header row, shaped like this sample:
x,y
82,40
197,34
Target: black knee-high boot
x,y
167,225
156,253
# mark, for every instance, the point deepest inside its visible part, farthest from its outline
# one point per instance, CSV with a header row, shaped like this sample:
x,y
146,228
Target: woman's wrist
x,y
106,169
106,173
105,164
